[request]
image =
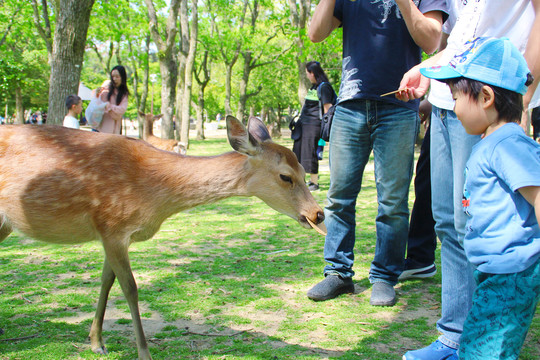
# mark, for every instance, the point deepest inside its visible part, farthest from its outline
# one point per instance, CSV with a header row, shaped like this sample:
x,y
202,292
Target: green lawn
x,y
221,281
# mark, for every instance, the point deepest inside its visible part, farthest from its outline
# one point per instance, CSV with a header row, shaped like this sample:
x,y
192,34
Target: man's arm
x,y
323,21
425,29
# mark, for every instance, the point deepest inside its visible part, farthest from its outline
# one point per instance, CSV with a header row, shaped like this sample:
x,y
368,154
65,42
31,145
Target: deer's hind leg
x,y
116,251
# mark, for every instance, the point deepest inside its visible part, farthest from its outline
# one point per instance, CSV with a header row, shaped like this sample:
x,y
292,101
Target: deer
x,y
164,144
68,186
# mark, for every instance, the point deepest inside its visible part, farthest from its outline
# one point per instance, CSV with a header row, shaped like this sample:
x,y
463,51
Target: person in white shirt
x,y
451,146
74,106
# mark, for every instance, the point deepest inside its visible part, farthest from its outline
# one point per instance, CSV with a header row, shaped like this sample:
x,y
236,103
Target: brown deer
x,y
163,144
68,186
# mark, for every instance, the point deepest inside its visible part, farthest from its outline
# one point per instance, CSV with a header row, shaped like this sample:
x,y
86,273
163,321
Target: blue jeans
x,y
450,150
359,127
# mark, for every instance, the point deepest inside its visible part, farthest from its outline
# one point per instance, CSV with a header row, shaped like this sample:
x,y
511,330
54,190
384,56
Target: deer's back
x,y
69,186
164,144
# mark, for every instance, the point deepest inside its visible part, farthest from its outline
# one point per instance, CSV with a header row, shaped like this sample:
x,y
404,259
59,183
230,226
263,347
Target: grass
x,y
221,281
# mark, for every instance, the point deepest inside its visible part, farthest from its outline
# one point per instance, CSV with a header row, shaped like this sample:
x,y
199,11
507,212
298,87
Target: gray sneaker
x,y
331,287
418,273
382,294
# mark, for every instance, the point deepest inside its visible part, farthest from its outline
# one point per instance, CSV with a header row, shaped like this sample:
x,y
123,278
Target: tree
x,y
261,48
189,47
229,38
299,16
204,69
45,30
68,45
165,41
24,71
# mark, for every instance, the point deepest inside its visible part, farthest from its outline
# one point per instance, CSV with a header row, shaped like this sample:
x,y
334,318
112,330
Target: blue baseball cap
x,y
490,60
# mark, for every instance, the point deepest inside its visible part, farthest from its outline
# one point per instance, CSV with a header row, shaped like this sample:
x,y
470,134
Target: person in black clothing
x,y
305,147
422,242
535,122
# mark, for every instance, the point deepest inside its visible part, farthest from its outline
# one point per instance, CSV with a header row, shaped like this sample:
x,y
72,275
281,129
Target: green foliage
x,y
116,35
24,62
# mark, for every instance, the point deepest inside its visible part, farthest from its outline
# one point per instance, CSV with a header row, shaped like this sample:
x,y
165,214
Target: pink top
x,y
112,118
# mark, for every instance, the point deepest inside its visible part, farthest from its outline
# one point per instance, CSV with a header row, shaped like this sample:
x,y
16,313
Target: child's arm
x,y
532,195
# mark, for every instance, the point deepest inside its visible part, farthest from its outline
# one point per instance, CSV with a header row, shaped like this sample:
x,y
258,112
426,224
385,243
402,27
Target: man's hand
x,y
414,84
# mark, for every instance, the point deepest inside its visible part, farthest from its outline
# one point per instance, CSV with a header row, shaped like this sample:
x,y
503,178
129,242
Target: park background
x,y
185,59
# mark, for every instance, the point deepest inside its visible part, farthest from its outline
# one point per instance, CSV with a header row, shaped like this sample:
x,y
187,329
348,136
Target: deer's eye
x,y
286,178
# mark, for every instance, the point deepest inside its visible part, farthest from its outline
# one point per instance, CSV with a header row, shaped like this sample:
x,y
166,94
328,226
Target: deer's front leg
x,y
96,339
5,228
118,260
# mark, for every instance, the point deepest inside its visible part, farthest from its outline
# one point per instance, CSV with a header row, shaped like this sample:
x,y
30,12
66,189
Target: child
x,y
501,196
74,106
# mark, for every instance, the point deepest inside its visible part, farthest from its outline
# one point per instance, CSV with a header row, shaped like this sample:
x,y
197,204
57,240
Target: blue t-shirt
x,y
377,48
502,235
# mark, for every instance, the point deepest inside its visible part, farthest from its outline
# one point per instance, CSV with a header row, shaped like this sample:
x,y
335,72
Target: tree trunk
x,y
167,62
168,89
141,103
299,18
44,31
225,49
72,20
242,89
19,105
183,50
228,76
188,76
264,114
200,114
203,82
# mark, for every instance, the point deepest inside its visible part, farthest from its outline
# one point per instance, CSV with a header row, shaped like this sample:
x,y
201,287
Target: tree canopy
x,y
251,51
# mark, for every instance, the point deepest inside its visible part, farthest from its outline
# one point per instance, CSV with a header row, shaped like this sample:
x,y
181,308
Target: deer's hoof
x,y
100,350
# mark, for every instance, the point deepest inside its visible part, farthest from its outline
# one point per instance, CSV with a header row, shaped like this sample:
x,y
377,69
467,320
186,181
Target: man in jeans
x,y
381,41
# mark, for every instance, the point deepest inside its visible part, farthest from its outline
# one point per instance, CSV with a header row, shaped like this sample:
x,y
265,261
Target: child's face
x,y
470,112
78,108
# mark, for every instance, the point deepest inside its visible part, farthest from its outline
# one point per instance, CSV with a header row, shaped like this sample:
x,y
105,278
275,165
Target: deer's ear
x,y
239,138
258,130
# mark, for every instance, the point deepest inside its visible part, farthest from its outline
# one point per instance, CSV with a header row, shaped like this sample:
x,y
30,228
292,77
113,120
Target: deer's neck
x,y
148,128
193,181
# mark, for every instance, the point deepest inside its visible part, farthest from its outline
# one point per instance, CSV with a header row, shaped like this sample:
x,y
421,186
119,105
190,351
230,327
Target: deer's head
x,y
274,174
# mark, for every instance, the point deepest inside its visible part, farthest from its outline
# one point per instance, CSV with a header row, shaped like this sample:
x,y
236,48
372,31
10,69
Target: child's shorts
x,y
501,314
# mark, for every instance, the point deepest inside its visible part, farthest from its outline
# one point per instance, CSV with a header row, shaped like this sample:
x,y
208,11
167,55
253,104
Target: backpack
x,y
326,119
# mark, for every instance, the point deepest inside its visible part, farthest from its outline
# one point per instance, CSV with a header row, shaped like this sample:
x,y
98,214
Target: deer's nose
x,y
320,217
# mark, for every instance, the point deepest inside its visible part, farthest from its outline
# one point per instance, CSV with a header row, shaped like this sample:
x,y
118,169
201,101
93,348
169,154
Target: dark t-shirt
x,y
377,48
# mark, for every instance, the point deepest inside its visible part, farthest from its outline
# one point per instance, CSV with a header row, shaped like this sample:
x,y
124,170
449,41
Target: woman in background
x,y
116,94
305,147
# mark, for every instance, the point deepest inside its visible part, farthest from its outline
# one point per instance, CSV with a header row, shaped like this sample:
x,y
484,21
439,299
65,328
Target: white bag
x,y
94,112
